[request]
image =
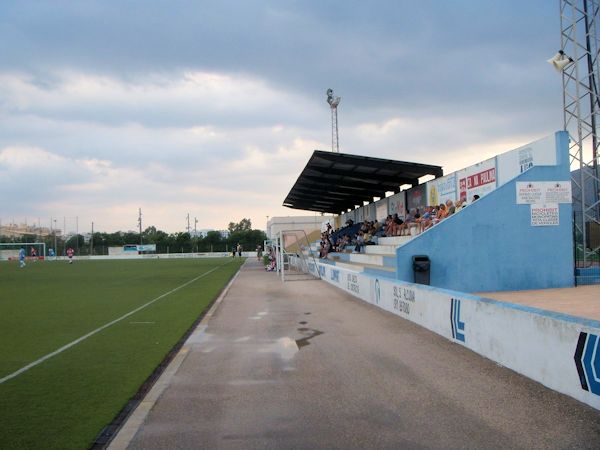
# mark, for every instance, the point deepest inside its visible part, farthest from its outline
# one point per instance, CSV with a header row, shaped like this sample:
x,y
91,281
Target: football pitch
x,y
78,340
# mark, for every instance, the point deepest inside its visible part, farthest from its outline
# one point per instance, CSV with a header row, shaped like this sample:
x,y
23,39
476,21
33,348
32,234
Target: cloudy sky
x,y
213,108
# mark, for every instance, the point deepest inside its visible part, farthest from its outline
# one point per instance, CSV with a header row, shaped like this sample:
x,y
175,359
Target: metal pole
x,y
77,234
92,241
55,246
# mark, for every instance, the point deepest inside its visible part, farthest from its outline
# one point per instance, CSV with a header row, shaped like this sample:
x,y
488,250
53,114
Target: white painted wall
x,y
536,343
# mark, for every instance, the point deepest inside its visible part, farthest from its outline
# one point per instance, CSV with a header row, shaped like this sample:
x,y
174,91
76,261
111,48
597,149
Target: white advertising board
x,y
381,209
397,204
479,179
441,189
530,192
513,163
544,215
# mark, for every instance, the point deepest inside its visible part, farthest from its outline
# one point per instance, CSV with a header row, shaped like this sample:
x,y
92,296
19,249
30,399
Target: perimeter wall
x,y
496,244
560,351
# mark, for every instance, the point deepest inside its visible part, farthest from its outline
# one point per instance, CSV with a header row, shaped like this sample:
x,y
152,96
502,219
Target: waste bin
x,y
421,268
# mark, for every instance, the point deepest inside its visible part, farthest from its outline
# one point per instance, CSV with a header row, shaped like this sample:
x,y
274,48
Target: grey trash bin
x,y
421,268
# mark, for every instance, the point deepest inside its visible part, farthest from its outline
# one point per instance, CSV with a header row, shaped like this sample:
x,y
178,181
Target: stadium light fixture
x,y
333,103
560,61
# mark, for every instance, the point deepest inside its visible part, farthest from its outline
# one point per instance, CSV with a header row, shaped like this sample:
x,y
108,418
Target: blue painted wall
x,y
491,246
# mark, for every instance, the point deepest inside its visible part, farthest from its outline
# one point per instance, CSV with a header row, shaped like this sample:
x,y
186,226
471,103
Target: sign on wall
x,y
529,192
544,215
397,204
479,179
381,209
513,163
416,197
441,189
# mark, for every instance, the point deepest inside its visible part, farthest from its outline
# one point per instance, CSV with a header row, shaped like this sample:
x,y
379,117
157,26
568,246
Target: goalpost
x,y
9,251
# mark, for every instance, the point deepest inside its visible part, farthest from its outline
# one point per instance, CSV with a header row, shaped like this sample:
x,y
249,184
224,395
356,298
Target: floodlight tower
x,y
333,103
579,64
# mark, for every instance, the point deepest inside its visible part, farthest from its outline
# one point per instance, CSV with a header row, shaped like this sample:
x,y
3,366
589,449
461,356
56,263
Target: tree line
x,y
179,242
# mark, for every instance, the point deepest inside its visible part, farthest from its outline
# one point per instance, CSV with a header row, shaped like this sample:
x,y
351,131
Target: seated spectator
x,y
359,241
425,220
409,219
450,207
325,245
459,205
441,214
388,226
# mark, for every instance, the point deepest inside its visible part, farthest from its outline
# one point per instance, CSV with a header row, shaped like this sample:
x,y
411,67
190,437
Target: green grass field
x,y
66,400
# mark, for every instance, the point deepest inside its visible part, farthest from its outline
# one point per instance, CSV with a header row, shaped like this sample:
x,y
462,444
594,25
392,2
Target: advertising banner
x,y
441,189
517,161
397,204
381,209
479,179
416,197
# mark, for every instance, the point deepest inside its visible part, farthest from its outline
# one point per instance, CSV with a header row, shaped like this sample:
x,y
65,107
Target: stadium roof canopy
x,y
335,182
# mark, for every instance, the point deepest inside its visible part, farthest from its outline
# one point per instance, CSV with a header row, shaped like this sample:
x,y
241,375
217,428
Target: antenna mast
x,y
333,103
578,60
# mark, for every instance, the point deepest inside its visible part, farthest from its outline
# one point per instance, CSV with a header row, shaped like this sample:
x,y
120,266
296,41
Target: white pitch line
x,y
97,330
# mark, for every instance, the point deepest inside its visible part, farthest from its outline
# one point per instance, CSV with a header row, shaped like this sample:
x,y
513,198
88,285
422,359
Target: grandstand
x,y
515,237
515,234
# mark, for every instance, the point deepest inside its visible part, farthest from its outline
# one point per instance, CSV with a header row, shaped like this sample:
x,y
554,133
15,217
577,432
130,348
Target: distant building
x,y
18,230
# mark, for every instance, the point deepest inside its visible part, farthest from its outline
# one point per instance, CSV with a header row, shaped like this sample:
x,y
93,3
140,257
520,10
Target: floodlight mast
x,y
333,103
579,62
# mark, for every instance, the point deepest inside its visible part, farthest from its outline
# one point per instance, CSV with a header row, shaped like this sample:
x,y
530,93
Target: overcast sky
x,y
213,108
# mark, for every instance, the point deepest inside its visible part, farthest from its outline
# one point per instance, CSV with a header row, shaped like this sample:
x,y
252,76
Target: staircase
x,y
379,260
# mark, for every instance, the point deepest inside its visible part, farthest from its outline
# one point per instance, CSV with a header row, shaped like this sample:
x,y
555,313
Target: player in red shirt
x,y
70,253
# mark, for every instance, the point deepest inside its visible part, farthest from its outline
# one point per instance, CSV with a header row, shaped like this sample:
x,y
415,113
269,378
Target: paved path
x,y
303,365
581,301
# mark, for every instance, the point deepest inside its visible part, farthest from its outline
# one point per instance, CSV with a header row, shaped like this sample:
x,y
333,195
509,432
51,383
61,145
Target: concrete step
x,y
385,250
358,267
364,258
394,240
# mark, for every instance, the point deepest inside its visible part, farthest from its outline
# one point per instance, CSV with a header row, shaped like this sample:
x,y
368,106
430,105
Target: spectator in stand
x,y
325,245
388,226
450,207
409,220
343,243
425,220
475,198
459,205
359,241
442,213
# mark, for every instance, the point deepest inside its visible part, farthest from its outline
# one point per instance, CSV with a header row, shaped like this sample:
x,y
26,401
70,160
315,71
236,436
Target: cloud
x,y
213,108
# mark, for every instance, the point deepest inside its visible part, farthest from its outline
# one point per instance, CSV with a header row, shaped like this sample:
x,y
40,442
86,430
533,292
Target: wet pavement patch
x,y
309,333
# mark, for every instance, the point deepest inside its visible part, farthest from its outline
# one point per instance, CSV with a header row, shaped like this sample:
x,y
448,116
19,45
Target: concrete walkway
x,y
303,365
580,301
